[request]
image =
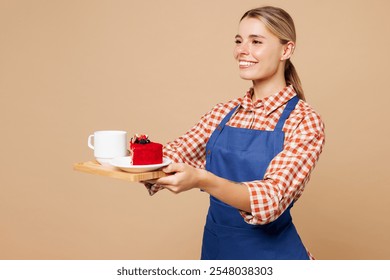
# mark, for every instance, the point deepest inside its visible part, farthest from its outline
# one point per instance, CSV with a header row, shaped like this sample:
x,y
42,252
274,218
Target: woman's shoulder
x,y
305,108
309,117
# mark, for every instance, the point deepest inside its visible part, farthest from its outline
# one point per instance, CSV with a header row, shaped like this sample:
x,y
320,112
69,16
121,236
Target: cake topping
x,y
140,139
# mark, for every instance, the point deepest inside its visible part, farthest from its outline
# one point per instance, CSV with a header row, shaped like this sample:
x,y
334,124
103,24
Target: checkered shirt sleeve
x,y
289,172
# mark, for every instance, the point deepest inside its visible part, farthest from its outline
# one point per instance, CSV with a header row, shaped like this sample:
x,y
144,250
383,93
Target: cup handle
x,y
90,141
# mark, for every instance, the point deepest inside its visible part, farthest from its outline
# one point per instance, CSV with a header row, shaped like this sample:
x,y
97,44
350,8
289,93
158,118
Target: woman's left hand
x,y
184,177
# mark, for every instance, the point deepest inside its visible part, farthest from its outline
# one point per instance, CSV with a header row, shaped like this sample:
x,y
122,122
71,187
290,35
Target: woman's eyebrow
x,y
256,36
251,36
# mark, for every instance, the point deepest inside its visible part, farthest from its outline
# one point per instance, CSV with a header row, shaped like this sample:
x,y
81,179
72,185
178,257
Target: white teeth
x,y
246,63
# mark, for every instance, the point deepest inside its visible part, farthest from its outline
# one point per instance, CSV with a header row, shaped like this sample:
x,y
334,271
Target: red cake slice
x,y
144,151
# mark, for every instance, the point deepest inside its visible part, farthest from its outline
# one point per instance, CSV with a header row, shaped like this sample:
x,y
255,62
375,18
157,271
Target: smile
x,y
243,63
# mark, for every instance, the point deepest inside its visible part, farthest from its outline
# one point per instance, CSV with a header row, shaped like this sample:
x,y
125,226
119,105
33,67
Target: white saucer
x,y
124,164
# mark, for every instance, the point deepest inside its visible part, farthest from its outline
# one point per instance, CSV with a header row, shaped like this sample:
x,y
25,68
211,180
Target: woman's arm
x,y
191,147
260,201
186,177
288,173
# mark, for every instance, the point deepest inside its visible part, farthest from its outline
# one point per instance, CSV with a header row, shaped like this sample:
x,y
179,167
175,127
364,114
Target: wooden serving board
x,y
93,167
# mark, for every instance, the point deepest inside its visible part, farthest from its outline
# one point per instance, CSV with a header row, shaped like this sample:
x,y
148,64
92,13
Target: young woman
x,y
253,154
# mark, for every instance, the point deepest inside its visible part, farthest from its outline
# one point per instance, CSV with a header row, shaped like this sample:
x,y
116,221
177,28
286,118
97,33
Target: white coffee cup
x,y
108,144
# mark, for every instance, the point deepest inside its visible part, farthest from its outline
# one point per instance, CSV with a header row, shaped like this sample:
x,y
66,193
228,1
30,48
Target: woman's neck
x,y
262,89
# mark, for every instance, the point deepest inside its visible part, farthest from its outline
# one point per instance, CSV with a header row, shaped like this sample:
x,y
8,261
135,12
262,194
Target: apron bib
x,y
242,155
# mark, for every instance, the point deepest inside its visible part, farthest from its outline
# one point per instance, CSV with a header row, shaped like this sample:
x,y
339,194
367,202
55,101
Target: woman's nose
x,y
242,49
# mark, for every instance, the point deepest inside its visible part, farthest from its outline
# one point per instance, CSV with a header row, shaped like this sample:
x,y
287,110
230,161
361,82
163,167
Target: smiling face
x,y
259,53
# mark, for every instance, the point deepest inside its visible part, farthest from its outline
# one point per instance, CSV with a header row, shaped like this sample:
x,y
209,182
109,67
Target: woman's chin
x,y
246,77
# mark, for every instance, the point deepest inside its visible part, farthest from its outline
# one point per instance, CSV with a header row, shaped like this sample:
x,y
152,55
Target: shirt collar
x,y
270,103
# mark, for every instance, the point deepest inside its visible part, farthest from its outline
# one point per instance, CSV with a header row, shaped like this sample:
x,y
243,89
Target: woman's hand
x,y
184,177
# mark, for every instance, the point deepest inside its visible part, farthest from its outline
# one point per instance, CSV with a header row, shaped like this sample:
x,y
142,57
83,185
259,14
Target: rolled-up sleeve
x,y
288,173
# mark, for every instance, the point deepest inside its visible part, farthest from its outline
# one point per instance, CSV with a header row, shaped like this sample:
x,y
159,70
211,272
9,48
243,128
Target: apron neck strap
x,y
228,116
286,113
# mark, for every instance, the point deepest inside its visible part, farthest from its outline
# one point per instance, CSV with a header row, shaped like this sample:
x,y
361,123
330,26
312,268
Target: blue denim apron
x,y
243,155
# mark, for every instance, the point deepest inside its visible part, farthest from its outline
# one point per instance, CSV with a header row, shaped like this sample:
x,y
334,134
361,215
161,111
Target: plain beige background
x,y
68,68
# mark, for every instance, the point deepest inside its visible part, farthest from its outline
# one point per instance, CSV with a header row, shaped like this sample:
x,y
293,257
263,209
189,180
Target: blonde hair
x,y
280,23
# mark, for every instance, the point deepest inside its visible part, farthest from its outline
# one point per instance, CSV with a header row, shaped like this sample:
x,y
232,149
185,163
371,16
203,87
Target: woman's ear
x,y
288,50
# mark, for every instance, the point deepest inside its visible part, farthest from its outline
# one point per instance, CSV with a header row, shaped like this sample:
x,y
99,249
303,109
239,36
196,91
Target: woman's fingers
x,y
167,180
173,168
183,178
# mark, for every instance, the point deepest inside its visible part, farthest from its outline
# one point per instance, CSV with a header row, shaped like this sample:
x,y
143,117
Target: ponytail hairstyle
x,y
280,23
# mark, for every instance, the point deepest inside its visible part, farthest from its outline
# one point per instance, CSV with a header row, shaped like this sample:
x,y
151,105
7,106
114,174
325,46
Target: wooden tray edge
x,y
93,167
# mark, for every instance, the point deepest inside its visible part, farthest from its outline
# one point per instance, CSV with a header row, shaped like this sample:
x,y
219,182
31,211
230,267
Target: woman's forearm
x,y
182,177
233,193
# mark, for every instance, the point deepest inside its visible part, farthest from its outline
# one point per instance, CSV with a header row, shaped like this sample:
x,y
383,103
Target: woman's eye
x,y
257,42
237,42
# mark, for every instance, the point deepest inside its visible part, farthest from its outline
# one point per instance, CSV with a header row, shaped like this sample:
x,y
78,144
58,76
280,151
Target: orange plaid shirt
x,y
287,174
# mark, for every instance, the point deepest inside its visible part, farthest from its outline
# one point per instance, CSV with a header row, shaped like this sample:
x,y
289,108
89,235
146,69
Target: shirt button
x,y
208,152
219,128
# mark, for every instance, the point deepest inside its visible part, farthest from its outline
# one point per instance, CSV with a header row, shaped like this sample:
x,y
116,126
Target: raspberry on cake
x,y
144,152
